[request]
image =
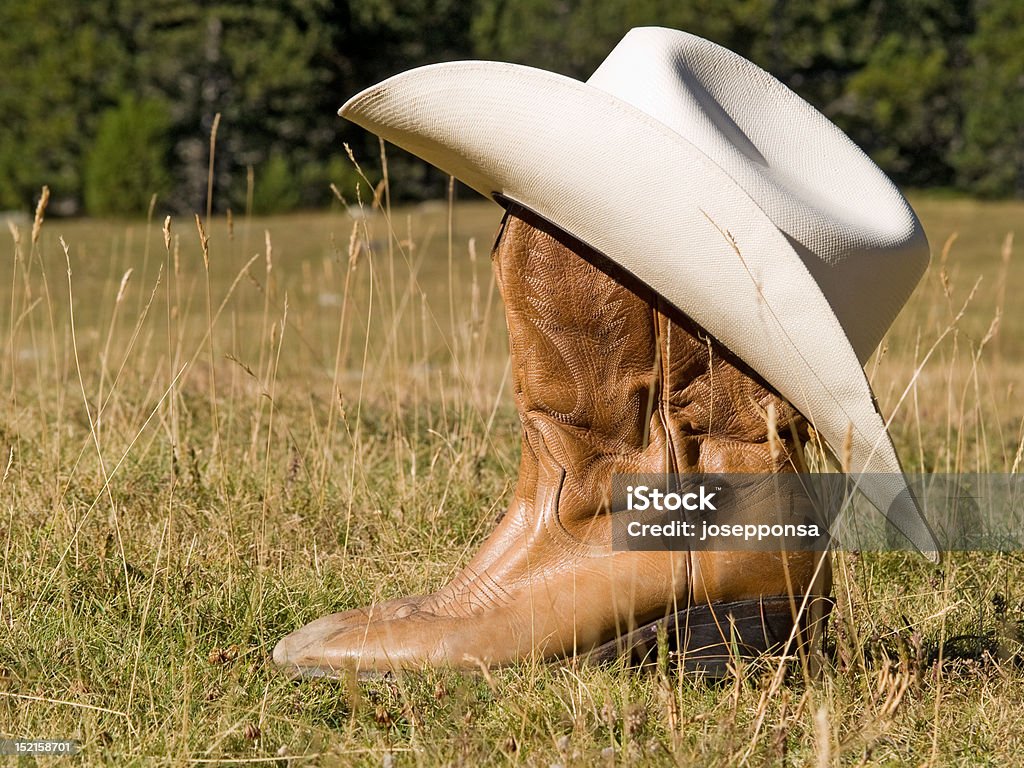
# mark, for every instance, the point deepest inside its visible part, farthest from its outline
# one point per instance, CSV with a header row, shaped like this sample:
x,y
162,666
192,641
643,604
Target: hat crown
x,y
848,222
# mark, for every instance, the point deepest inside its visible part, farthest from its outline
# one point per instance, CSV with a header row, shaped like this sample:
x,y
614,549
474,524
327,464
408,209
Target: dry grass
x,y
312,414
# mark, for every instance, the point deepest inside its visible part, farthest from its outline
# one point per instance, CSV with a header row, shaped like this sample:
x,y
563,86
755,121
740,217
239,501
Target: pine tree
x,y
991,160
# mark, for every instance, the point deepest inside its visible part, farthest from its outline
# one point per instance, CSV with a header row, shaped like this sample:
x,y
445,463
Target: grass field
x,y
202,448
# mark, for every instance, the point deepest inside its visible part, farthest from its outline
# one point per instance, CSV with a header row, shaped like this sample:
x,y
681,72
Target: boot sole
x,y
706,640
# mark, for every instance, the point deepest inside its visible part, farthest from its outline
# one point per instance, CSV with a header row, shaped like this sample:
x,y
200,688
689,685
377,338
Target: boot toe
x,y
304,652
300,645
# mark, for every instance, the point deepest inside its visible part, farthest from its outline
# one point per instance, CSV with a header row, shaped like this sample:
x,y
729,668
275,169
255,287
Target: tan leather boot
x,y
607,380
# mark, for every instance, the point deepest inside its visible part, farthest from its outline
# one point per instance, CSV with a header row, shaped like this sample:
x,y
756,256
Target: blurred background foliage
x,y
110,101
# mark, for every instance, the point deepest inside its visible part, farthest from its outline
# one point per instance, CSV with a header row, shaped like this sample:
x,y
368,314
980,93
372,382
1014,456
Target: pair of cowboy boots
x,y
608,379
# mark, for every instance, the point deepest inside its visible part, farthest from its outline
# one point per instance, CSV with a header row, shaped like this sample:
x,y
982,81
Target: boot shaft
x,y
604,360
610,379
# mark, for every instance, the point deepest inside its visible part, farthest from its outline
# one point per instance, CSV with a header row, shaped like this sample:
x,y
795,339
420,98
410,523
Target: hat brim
x,y
645,197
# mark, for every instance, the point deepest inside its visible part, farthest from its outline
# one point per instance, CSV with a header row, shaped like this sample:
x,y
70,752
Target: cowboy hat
x,y
709,180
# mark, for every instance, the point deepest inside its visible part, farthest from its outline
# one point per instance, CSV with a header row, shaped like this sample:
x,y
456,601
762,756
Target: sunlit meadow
x,y
214,431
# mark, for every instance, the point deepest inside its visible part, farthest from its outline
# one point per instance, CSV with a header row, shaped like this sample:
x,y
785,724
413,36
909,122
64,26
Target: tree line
x,y
111,101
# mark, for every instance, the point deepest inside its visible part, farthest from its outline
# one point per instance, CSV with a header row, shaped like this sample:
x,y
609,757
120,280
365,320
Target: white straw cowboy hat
x,y
709,180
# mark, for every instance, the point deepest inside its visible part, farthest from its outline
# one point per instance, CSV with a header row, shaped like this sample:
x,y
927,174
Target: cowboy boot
x,y
607,380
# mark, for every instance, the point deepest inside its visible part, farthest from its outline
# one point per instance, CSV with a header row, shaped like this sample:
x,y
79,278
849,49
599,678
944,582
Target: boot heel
x,y
704,639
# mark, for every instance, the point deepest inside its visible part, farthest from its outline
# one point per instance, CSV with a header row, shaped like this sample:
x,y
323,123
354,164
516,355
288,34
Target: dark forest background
x,y
110,101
